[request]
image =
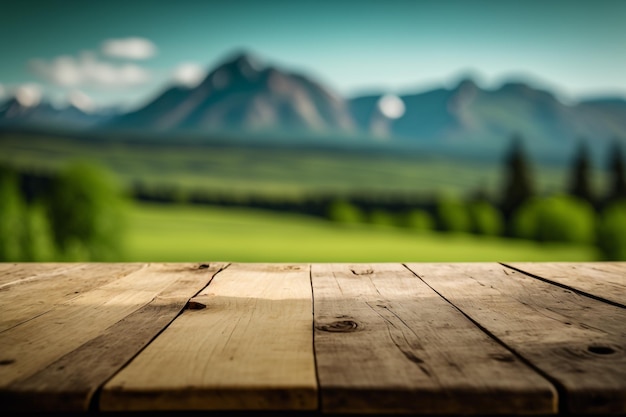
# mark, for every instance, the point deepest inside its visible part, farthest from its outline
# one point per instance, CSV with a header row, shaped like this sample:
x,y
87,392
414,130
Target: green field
x,y
283,172
184,233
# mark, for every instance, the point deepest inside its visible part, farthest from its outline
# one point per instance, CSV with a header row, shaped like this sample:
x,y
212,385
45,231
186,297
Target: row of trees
x,y
519,184
579,215
77,214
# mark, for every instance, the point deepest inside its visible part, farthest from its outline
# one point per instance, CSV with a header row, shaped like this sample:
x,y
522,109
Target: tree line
x,y
580,215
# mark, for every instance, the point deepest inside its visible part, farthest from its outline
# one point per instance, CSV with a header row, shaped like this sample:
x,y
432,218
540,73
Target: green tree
x,y
37,245
617,172
11,217
555,219
518,184
86,213
612,232
485,219
452,215
579,181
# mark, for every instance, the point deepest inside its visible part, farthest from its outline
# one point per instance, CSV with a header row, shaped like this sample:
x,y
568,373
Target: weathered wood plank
x,y
69,383
250,348
579,342
385,342
606,280
33,345
13,272
30,297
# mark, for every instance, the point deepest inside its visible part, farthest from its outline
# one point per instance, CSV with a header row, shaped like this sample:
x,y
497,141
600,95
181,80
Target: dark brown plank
x,y
68,382
604,280
387,343
577,341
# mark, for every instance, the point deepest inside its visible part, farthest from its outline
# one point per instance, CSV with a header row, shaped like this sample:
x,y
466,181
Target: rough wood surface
x,y
577,341
246,344
13,272
606,280
33,345
32,296
68,383
387,343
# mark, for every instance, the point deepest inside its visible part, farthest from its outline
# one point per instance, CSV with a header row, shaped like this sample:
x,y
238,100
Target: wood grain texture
x,y
27,298
387,343
579,342
249,348
33,345
606,280
69,383
13,272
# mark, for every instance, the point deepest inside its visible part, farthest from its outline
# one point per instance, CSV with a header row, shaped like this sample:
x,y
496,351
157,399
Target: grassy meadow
x,y
184,233
178,232
270,171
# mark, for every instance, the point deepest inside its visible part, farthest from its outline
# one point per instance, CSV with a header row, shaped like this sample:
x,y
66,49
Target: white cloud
x,y
81,100
88,71
129,48
28,94
189,74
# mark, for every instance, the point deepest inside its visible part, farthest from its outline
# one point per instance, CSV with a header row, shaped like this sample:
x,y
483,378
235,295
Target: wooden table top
x,y
473,338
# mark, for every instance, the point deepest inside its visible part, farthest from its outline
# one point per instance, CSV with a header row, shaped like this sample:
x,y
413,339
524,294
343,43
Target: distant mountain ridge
x,y
15,114
246,97
241,94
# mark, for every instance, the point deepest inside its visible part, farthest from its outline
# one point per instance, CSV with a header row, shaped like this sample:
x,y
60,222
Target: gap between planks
x,y
248,349
576,340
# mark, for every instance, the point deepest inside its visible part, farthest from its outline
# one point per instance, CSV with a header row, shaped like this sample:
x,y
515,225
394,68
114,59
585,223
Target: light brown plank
x,y
69,383
13,272
33,345
249,349
577,341
24,299
606,280
387,343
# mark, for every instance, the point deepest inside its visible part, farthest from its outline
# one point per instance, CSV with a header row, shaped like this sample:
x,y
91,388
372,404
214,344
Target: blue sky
x,y
126,51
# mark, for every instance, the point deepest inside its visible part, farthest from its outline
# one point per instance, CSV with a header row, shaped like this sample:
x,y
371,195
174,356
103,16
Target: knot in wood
x,y
341,326
194,305
601,349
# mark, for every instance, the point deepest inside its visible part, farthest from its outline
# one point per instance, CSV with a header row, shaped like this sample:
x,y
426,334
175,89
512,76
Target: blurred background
x,y
314,131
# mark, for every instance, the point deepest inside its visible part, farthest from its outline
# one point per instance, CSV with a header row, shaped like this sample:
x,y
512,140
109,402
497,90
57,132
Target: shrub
x,y
612,232
380,217
555,219
485,219
452,215
342,211
419,220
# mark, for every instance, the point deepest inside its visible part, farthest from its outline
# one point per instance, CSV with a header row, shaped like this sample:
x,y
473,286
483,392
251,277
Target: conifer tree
x,y
617,173
580,182
518,184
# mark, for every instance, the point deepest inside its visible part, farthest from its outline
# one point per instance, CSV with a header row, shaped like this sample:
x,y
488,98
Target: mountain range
x,y
248,99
